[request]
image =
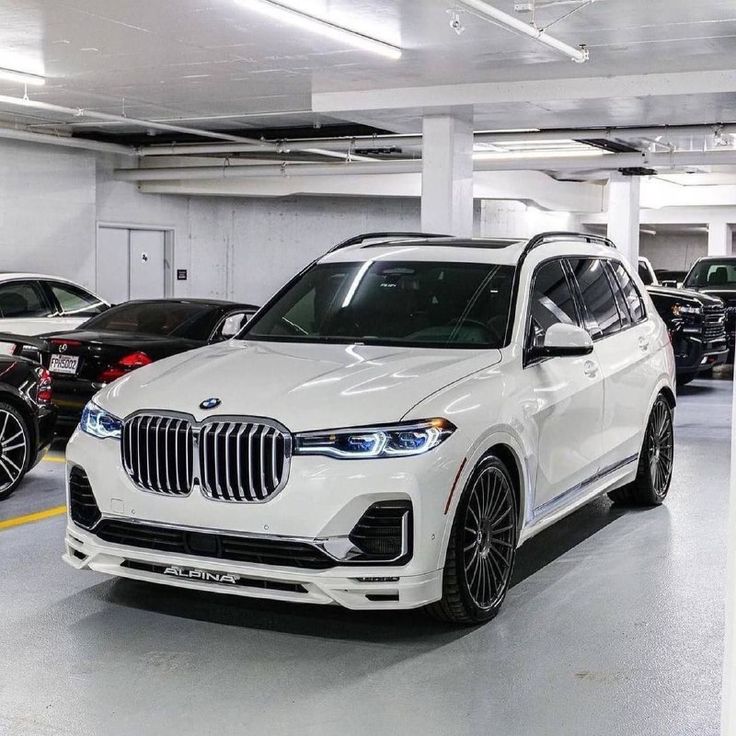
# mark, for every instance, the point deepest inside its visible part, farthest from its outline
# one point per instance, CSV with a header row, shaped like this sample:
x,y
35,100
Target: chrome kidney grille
x,y
158,454
238,460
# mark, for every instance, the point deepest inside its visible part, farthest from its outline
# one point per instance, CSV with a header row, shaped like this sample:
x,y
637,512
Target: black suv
x,y
697,325
716,277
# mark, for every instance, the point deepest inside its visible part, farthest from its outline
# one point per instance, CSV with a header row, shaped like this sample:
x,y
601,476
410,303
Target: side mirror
x,y
564,341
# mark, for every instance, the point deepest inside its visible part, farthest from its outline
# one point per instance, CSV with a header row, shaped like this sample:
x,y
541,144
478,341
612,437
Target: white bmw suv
x,y
387,431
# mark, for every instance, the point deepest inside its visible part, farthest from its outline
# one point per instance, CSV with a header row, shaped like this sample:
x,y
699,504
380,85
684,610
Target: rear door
x,y
566,403
615,315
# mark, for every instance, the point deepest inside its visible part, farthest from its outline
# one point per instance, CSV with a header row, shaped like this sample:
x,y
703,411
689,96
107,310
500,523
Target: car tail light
x,y
44,393
124,365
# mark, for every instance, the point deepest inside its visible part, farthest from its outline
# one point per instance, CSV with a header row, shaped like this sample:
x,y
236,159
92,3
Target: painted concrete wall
x,y
47,211
674,250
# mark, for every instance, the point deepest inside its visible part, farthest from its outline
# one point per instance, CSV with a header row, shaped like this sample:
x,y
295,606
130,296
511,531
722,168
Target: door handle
x,y
590,369
643,344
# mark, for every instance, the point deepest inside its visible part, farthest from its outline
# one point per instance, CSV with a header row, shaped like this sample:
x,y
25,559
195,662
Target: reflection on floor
x,y
613,626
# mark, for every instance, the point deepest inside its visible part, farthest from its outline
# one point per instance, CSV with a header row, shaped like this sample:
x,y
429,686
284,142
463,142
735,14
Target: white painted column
x,y
624,214
447,175
720,239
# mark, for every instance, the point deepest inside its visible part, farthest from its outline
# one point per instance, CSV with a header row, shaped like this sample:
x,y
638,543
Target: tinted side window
x,y
602,317
630,292
76,302
22,299
644,275
551,301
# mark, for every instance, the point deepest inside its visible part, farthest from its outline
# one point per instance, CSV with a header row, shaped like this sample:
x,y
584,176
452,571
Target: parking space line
x,y
54,459
30,518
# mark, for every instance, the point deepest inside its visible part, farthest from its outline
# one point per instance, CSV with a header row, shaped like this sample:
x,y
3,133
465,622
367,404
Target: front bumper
x,y
322,503
357,588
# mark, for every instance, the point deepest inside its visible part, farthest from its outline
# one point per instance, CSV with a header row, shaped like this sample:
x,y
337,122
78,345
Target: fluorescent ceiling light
x,y
23,77
488,156
579,54
312,23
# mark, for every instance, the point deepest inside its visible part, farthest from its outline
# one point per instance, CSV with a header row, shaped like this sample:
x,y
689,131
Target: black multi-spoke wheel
x,y
14,449
654,474
482,548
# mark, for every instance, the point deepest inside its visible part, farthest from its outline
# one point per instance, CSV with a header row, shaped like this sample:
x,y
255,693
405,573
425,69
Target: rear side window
x,y
645,275
76,302
631,294
23,299
551,301
602,318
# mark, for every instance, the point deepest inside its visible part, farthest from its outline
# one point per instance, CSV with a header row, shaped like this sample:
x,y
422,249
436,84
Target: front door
x,y
564,398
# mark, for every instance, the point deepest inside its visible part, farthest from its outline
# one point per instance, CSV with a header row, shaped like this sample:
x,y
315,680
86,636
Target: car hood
x,y
725,294
303,386
704,298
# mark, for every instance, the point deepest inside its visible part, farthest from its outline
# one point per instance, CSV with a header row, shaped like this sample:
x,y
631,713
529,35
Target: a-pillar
x,y
624,214
447,174
720,239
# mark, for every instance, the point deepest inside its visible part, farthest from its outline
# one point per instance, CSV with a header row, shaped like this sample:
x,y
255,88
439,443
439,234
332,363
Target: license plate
x,y
66,364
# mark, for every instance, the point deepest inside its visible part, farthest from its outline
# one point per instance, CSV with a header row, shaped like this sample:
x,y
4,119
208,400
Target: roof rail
x,y
555,236
357,239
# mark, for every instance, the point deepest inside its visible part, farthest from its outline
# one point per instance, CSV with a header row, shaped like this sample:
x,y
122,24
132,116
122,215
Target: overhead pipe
x,y
347,144
66,141
607,162
134,122
579,55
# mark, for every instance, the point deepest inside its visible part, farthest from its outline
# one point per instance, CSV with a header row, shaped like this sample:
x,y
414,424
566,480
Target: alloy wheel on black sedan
x,y
14,447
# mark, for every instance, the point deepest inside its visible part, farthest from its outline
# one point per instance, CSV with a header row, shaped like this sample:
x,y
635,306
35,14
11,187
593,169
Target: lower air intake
x,y
383,533
82,504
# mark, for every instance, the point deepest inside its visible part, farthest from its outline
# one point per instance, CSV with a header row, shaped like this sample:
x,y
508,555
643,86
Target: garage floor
x,y
614,626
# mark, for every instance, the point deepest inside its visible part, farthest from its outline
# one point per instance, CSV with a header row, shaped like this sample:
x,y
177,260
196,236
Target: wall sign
x,y
182,274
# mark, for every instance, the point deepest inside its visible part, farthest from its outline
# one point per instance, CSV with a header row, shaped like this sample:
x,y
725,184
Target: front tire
x,y
482,547
15,445
654,474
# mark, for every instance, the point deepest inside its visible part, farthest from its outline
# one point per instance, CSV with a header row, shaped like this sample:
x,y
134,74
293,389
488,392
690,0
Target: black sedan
x,y
26,419
124,338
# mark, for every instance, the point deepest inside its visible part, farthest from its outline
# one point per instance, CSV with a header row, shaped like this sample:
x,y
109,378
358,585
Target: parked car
x,y
668,277
32,304
387,431
696,322
124,338
716,277
26,419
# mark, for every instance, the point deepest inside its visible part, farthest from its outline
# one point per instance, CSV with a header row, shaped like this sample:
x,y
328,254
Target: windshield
x,y
712,274
420,304
162,319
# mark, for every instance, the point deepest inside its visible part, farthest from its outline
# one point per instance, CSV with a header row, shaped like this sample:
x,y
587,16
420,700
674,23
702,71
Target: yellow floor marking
x,y
54,459
30,518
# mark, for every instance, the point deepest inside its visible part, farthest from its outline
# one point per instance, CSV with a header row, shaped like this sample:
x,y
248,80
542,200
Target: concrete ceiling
x,y
217,65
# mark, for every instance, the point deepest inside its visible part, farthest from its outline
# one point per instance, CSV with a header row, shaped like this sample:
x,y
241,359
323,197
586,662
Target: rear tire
x,y
654,474
482,547
15,449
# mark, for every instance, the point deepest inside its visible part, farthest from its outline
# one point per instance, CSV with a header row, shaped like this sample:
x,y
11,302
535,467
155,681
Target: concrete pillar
x,y
624,214
720,239
447,174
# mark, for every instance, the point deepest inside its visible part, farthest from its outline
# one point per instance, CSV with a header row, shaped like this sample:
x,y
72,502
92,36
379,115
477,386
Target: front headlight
x,y
682,310
99,423
395,440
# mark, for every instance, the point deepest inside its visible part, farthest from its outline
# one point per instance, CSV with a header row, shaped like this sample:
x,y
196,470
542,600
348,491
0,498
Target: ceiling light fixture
x,y
326,28
579,54
13,75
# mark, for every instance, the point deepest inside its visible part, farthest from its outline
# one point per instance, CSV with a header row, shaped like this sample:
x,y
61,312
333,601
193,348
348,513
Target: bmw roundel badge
x,y
210,404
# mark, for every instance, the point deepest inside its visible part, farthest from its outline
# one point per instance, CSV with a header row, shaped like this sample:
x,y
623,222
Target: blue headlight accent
x,y
412,438
97,422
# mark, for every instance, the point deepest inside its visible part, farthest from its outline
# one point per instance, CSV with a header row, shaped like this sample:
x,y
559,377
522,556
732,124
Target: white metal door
x,y
147,253
130,264
113,283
